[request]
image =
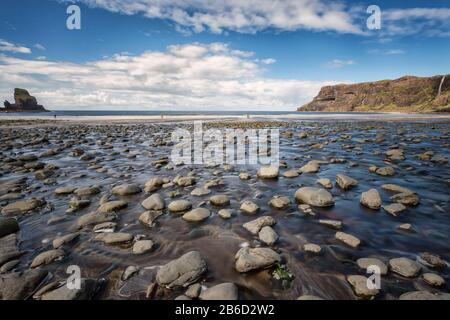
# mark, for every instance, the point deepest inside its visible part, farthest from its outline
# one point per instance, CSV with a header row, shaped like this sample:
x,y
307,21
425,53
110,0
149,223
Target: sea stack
x,y
24,102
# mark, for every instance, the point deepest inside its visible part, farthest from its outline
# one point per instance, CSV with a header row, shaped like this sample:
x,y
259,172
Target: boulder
x,y
345,182
371,199
348,239
249,207
268,172
126,189
248,259
183,271
268,235
154,202
21,207
47,257
8,226
405,267
223,291
256,225
197,215
314,197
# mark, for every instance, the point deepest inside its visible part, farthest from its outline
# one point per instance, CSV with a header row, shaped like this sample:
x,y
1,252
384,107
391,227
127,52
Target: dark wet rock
x,y
21,207
47,257
314,196
309,297
433,260
43,174
88,288
129,272
248,259
8,226
183,271
404,267
8,266
20,286
223,291
423,295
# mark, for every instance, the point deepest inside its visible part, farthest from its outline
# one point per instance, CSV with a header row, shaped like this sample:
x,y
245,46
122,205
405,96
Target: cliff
x,y
24,102
407,94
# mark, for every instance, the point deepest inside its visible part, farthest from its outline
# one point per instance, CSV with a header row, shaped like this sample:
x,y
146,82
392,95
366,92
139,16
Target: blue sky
x,y
179,55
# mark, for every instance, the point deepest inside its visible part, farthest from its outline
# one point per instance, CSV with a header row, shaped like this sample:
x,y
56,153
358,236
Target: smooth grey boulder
x,y
183,271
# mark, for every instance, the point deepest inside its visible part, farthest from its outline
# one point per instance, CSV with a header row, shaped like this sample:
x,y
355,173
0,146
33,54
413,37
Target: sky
x,y
212,54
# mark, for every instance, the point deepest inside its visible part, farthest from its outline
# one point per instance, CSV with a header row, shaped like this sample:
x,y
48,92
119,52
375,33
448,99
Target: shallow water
x,y
218,240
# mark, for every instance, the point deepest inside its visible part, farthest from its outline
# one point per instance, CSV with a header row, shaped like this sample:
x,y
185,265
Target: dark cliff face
x,y
24,102
407,94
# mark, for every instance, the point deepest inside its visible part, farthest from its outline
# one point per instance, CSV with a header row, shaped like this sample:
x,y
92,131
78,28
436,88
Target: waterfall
x,y
440,86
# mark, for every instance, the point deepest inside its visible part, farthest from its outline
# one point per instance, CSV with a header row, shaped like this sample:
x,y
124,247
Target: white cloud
x,y
268,61
337,63
11,47
389,52
394,52
432,22
247,16
39,46
191,76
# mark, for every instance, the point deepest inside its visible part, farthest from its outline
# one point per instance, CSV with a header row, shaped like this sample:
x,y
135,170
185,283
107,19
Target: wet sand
x,y
37,157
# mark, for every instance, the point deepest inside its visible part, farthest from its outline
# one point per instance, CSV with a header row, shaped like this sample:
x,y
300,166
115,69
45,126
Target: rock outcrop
x,y
24,102
407,94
